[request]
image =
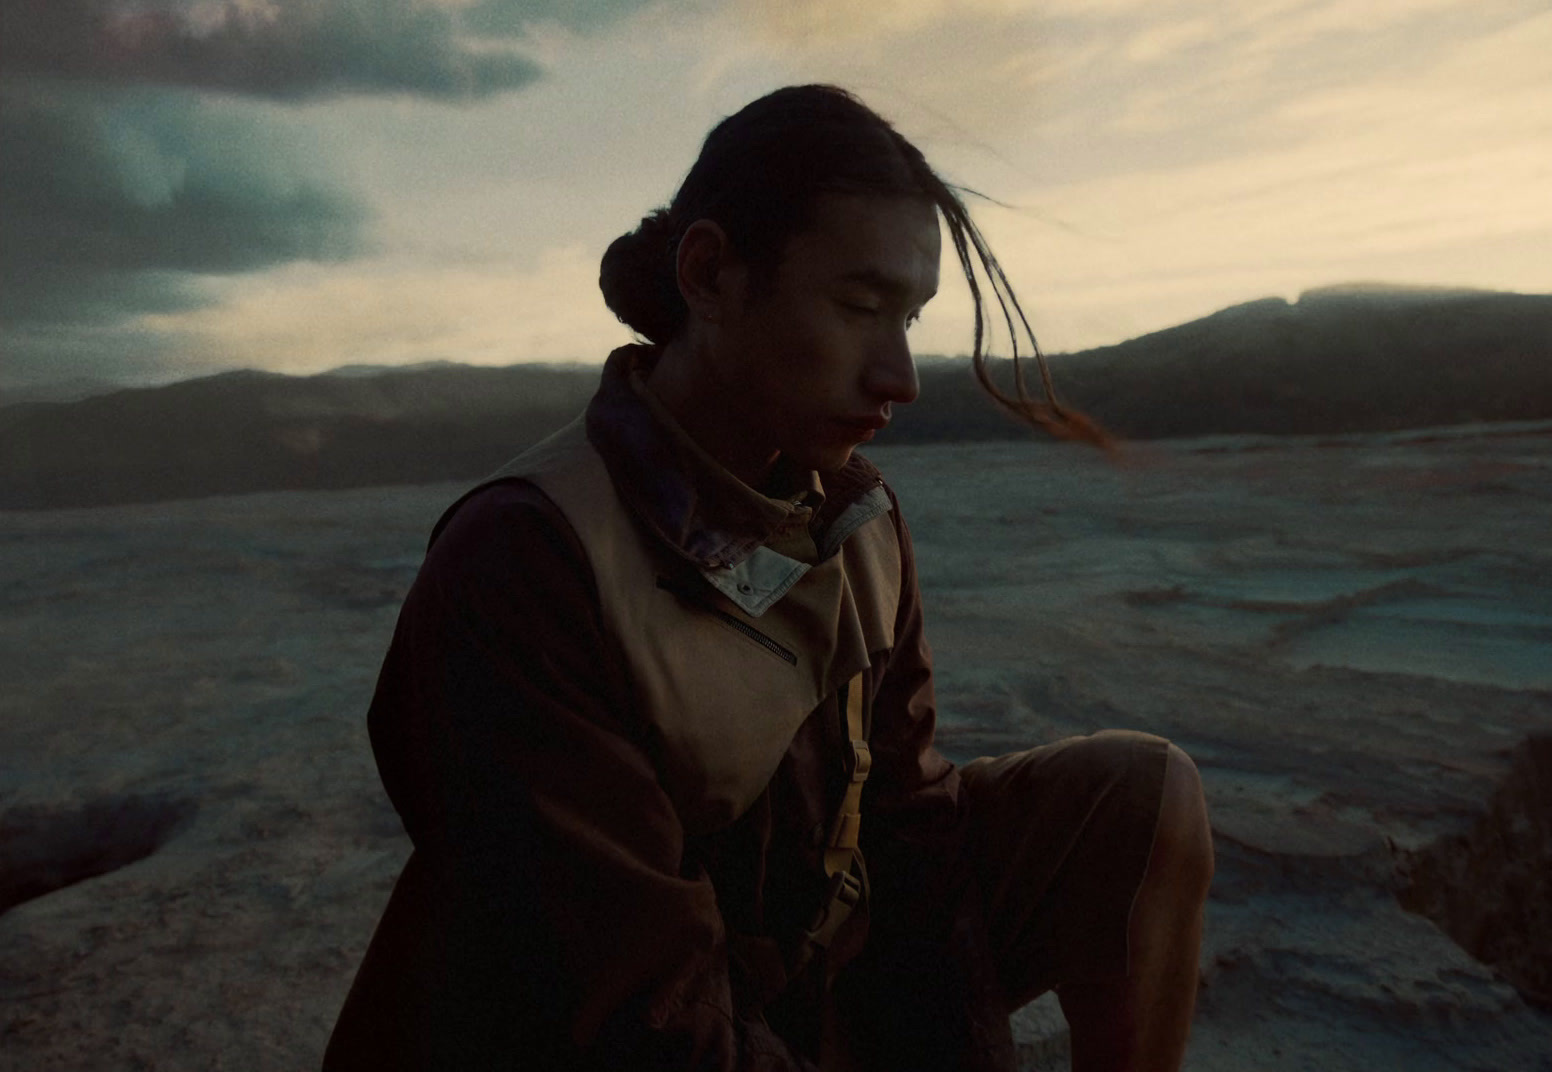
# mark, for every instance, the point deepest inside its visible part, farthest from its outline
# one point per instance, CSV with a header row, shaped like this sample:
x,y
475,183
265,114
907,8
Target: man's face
x,y
821,355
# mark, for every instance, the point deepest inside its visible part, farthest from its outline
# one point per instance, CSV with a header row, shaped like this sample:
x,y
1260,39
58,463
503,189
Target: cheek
x,y
804,355
822,348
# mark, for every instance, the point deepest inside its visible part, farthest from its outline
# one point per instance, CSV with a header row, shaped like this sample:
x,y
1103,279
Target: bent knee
x,y
1182,844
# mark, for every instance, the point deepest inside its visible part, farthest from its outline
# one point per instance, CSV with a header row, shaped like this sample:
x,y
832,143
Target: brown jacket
x,y
606,873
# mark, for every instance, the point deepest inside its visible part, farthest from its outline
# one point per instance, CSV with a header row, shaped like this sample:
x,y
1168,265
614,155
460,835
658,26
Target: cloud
x,y
85,355
165,182
306,318
292,49
142,151
1170,157
1175,156
1095,87
518,18
272,48
95,189
1432,175
116,204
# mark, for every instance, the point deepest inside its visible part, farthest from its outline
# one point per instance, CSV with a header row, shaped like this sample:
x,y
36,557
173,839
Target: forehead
x,y
890,240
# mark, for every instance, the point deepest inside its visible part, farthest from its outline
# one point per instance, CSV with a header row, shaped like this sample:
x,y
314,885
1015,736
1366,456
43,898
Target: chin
x,y
825,459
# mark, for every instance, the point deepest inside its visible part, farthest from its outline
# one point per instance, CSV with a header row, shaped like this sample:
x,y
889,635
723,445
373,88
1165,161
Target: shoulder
x,y
504,536
510,503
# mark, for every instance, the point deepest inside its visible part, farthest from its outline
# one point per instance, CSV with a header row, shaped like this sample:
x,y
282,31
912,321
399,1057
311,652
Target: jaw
x,y
825,458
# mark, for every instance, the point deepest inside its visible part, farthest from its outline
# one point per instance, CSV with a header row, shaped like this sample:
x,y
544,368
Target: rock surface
x,y
1348,635
1491,889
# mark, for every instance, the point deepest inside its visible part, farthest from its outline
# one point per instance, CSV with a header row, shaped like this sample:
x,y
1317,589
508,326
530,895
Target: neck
x,y
713,413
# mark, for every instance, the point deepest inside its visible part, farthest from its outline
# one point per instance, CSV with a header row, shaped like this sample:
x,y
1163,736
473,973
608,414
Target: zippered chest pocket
x,y
737,625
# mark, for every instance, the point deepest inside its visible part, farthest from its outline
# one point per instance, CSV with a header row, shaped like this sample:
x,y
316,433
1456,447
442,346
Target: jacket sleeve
x,y
924,993
915,817
506,740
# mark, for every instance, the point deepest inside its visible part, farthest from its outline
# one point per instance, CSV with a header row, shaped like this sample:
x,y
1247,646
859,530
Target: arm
x,y
914,815
925,991
506,740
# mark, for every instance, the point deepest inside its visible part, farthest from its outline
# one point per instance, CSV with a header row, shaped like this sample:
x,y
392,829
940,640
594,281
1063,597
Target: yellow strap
x,y
848,818
842,858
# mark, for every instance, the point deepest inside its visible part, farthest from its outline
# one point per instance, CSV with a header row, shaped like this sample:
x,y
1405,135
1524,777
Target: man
x,y
658,713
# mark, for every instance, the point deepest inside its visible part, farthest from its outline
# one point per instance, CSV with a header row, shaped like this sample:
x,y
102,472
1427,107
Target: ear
x,y
709,274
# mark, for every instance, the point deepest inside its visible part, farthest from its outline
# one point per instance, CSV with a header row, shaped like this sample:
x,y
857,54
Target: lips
x,y
861,429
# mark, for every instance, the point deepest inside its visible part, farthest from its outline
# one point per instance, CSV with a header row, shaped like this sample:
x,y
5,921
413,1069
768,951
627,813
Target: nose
x,y
891,371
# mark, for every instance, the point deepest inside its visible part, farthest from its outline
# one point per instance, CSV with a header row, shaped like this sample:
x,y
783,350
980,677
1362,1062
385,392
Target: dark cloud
x,y
272,48
123,203
513,18
94,189
140,152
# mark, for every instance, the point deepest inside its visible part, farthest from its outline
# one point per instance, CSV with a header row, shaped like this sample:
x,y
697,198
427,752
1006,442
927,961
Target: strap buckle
x,y
844,894
861,760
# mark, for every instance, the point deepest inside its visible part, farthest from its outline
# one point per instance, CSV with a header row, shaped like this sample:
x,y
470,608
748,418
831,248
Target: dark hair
x,y
759,174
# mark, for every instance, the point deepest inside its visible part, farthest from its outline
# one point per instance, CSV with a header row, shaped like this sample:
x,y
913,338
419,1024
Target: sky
x,y
188,186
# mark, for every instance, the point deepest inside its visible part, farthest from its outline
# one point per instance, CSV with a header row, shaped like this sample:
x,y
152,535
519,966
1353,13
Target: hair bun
x,y
637,279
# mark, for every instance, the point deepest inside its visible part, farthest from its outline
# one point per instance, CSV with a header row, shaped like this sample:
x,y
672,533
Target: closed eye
x,y
870,311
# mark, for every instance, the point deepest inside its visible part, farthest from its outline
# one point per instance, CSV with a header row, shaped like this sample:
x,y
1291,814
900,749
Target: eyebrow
x,y
890,285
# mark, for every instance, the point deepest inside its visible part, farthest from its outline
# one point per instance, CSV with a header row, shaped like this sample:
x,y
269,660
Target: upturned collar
x,y
700,510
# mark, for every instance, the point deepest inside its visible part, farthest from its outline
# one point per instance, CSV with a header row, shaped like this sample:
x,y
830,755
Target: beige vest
x,y
728,672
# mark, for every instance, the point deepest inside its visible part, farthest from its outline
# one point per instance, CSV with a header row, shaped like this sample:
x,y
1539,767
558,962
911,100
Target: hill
x,y
1340,359
249,431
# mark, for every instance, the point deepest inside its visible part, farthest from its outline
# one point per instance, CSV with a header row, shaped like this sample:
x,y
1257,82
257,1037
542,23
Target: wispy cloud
x,y
1434,174
1169,158
1164,157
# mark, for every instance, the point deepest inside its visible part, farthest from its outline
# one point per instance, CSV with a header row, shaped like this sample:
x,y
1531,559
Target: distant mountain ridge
x,y
1349,358
1340,359
252,431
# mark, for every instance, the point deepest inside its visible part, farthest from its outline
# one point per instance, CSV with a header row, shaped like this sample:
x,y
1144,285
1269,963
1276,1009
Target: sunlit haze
x,y
292,189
